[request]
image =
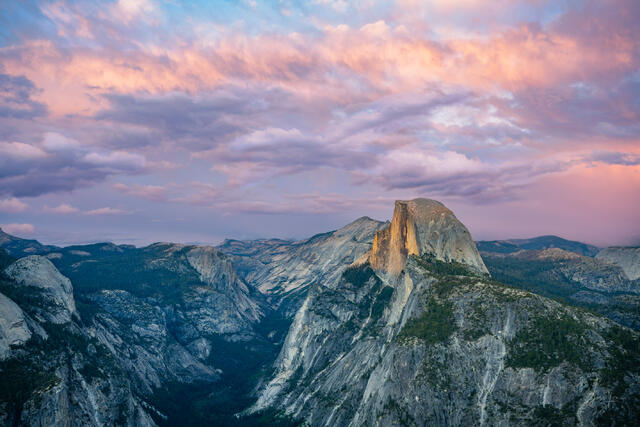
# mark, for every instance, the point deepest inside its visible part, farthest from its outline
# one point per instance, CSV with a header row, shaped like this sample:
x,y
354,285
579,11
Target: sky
x,y
137,121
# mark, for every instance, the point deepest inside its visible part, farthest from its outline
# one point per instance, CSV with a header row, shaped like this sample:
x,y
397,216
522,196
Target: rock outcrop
x,y
423,226
462,351
628,258
54,371
39,274
285,271
14,330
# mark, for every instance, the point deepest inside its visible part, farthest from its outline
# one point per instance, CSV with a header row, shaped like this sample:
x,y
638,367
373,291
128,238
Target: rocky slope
x,y
627,258
585,281
393,323
13,326
286,270
39,276
438,343
147,336
55,372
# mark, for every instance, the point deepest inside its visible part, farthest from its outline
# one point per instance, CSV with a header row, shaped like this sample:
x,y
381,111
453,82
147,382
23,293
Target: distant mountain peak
x,y
423,226
19,247
537,243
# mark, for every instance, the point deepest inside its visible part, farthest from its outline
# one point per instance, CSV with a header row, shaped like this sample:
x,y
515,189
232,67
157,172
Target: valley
x,y
377,323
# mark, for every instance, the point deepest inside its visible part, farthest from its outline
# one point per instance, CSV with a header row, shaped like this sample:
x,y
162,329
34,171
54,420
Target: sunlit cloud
x,y
106,211
63,209
12,205
148,192
18,229
286,108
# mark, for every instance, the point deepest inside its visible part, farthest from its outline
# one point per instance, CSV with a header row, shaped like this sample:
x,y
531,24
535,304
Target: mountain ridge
x,y
471,350
315,331
538,243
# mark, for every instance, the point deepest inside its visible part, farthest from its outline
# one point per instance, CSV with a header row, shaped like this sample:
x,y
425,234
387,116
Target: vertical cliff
x,y
423,226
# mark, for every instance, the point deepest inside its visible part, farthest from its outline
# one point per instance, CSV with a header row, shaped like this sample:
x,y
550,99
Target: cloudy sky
x,y
145,120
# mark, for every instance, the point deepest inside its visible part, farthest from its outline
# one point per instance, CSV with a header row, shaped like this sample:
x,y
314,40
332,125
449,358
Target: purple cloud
x,y
16,101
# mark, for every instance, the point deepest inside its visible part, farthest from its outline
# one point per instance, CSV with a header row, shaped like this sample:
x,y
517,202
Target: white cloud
x,y
428,165
53,141
12,205
268,136
106,211
131,9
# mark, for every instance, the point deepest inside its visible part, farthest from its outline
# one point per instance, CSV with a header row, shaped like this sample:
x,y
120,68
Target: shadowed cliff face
x,y
423,226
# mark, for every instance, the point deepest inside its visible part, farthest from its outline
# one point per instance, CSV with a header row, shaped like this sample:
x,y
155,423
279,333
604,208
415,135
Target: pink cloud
x,y
12,205
395,101
21,150
342,63
132,9
148,192
63,209
16,228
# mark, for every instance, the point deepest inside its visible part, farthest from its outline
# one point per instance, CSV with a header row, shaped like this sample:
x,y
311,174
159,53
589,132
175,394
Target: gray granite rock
x,y
39,273
628,258
14,330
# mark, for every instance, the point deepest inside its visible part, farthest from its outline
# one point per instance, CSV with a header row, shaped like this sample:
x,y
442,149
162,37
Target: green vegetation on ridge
x,y
547,342
435,324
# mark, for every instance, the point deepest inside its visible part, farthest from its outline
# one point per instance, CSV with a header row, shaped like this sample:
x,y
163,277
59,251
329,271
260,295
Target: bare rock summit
x,y
43,277
423,226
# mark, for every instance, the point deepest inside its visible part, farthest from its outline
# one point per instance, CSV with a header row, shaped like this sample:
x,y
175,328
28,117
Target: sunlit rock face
x,y
423,226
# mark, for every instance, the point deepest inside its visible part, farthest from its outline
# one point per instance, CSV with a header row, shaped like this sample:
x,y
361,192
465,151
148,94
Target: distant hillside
x,y
18,247
537,243
590,282
628,258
